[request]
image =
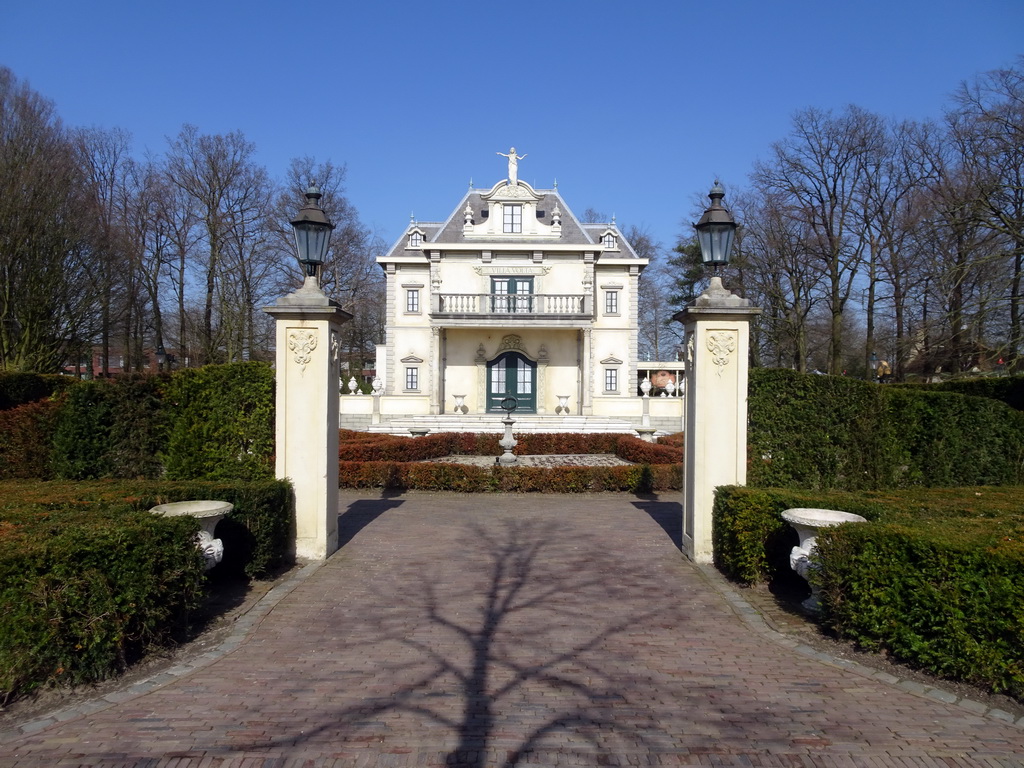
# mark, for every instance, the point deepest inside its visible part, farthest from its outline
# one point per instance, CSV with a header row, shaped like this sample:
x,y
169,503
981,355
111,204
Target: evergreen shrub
x,y
26,439
111,428
221,422
1009,389
831,432
22,388
82,435
936,577
84,591
945,594
258,533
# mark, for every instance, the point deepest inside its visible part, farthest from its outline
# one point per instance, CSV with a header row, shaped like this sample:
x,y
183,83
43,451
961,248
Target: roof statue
x,y
513,165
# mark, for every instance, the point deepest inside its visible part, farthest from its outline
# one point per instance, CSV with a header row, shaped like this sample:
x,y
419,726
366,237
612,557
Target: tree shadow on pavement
x,y
516,654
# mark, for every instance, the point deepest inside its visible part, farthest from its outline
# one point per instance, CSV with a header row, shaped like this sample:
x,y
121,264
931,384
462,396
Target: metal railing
x,y
551,304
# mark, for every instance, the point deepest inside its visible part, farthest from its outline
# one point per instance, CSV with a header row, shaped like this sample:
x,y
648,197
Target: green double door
x,y
512,375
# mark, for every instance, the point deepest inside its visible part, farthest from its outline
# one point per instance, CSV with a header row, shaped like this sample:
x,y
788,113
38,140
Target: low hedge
x,y
944,593
85,591
258,533
464,478
936,578
751,540
26,439
90,580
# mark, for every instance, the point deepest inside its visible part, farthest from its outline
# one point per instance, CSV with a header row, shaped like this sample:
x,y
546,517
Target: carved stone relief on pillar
x,y
721,344
302,342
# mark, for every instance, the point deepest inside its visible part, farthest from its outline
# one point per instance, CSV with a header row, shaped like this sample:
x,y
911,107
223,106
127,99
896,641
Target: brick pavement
x,y
515,630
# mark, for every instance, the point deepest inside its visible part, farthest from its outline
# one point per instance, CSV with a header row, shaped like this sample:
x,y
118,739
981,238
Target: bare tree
x,y
987,123
781,278
657,337
817,173
46,244
230,195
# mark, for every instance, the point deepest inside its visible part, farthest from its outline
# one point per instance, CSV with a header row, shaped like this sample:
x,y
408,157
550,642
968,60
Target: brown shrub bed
x,y
400,463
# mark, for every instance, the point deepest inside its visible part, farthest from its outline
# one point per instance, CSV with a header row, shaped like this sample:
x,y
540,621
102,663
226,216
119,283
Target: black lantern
x,y
312,232
161,356
716,230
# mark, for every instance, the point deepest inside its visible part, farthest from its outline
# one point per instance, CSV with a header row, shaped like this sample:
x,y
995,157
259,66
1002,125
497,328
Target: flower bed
x,y
401,463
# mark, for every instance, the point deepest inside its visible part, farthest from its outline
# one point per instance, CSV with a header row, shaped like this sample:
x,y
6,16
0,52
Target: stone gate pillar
x,y
717,339
307,332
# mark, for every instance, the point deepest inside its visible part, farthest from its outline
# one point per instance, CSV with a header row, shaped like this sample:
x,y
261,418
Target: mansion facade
x,y
510,296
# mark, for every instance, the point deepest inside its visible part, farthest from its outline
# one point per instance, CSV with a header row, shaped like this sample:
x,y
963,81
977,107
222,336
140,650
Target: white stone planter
x,y
209,513
807,523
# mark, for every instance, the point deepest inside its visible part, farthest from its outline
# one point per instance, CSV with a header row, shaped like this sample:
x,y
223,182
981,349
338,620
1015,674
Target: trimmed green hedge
x,y
215,422
87,591
111,428
258,534
90,580
942,594
831,432
1009,389
221,422
751,540
936,578
26,439
22,388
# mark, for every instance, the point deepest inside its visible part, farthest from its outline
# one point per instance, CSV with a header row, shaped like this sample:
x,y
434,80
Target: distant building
x,y
510,296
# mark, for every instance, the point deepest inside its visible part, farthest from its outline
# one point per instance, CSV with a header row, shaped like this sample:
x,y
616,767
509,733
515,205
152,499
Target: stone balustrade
x,y
547,304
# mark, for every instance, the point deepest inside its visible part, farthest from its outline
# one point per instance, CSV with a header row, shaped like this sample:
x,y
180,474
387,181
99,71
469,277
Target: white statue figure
x,y
513,165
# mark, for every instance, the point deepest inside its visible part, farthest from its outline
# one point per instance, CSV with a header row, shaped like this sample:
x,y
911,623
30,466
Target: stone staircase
x,y
490,422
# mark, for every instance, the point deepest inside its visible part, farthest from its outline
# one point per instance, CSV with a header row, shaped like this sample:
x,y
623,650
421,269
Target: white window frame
x,y
415,240
611,302
610,242
412,301
412,378
611,380
512,219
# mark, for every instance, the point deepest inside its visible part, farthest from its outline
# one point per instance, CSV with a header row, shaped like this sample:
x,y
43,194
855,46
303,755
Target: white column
x,y
717,330
307,334
587,374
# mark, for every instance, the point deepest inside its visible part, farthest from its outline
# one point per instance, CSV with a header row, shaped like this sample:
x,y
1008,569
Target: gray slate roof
x,y
573,232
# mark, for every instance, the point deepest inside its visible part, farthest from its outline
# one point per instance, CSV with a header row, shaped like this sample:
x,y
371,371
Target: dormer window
x,y
609,241
513,219
415,240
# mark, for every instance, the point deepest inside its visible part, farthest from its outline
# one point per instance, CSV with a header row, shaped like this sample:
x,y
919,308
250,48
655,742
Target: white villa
x,y
512,296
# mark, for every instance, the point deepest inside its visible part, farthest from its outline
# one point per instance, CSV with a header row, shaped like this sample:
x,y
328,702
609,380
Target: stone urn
x,y
460,404
209,513
563,404
807,523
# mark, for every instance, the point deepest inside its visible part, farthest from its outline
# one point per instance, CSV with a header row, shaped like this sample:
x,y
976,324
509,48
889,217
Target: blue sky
x,y
634,108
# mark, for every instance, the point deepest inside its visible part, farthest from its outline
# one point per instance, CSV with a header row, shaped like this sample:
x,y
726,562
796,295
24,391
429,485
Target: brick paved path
x,y
516,630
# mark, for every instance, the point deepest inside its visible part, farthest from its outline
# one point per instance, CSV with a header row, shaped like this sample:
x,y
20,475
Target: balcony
x,y
502,308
